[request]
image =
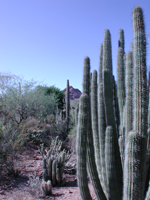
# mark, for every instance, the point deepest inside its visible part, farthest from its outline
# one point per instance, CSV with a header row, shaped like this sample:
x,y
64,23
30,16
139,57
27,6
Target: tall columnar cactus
x,y
140,102
108,98
140,77
81,147
108,80
102,128
90,158
94,113
120,83
92,169
121,44
67,104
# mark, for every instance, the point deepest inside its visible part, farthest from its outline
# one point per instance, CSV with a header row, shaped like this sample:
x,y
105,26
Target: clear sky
x,y
47,40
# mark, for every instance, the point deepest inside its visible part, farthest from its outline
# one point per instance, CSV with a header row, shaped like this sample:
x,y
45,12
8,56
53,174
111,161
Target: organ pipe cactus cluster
x,y
54,161
112,135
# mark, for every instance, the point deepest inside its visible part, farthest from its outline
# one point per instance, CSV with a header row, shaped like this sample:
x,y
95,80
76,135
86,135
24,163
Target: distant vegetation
x,y
29,112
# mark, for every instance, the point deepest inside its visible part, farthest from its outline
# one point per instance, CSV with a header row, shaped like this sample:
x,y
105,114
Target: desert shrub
x,y
21,99
34,183
23,111
8,151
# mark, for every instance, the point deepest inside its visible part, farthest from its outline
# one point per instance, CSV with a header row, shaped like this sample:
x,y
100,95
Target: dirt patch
x,y
27,185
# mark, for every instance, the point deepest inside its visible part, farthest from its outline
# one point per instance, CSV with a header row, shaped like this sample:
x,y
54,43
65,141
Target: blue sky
x,y
47,40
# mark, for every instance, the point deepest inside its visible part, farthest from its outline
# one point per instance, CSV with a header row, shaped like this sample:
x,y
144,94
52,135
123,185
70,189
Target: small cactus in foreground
x,y
54,161
46,187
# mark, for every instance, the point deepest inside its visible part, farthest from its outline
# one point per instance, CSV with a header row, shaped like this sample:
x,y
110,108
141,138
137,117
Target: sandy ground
x,y
30,166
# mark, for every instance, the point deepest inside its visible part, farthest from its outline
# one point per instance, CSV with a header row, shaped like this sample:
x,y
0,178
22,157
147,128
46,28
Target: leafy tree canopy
x,y
52,90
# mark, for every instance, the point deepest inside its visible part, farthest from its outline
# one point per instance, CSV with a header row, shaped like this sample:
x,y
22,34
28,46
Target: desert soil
x,y
29,165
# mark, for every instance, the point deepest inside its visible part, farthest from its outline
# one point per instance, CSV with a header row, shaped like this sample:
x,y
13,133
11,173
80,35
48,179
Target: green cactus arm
x,y
116,105
86,76
129,94
101,65
50,160
140,78
140,97
132,167
94,112
108,98
121,39
120,84
92,165
46,187
108,80
112,181
101,128
54,168
81,147
90,148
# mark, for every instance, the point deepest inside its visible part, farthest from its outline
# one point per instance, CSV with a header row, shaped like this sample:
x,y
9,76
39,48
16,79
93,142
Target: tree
x,y
20,99
52,90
